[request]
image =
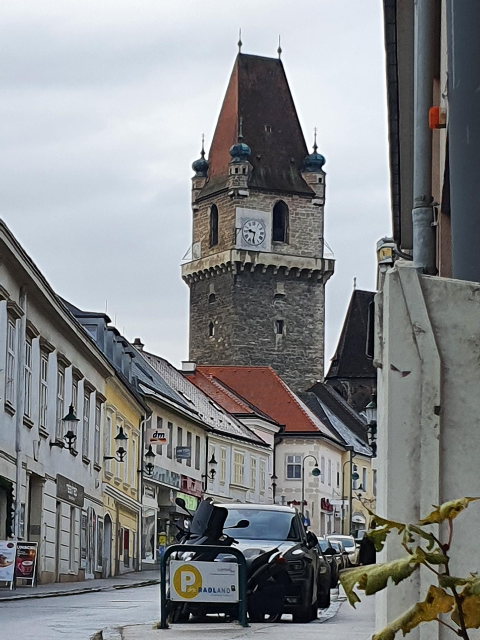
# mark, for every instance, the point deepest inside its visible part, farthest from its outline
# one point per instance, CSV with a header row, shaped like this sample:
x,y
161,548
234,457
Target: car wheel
x,y
307,612
323,597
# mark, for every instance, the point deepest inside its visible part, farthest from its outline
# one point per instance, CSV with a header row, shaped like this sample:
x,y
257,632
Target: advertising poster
x,y
204,581
26,561
8,550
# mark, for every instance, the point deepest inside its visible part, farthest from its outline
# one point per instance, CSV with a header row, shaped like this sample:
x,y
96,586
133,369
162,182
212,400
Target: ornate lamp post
x,y
315,473
121,452
70,422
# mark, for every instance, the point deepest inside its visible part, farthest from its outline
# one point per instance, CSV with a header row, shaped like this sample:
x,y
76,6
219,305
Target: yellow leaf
x,y
373,578
470,603
384,527
437,601
447,511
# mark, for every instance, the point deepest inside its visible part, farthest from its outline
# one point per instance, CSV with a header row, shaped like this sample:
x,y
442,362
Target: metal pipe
x,y
350,497
423,212
463,22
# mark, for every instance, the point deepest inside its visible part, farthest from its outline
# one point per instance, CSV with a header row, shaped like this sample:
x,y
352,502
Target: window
x,y
253,473
86,426
329,472
124,464
322,469
43,389
11,357
268,128
99,543
364,478
27,409
213,225
238,468
60,401
179,440
75,394
126,547
280,222
294,467
211,298
355,482
263,476
338,474
223,465
133,463
197,452
96,443
374,480
279,326
159,428
106,443
211,330
170,441
189,445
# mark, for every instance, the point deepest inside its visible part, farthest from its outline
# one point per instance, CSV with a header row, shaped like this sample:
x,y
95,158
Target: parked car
x,y
329,554
341,556
273,526
350,547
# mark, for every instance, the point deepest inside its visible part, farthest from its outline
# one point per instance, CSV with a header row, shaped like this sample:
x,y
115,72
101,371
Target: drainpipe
x,y
424,241
20,409
464,135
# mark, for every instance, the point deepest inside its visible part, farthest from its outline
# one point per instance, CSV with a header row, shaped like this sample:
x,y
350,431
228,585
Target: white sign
x,y
156,436
8,550
253,229
203,581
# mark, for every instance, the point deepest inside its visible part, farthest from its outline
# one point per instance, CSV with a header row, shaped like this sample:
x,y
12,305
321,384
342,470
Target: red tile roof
x,y
262,388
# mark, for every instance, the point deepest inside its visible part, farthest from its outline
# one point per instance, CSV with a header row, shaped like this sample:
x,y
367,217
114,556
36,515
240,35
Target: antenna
x,y
279,50
239,43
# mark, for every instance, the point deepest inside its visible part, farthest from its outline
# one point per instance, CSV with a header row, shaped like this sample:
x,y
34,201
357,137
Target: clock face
x,y
253,232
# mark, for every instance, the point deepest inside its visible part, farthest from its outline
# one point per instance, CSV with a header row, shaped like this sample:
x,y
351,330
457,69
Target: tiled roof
x,y
209,411
332,409
258,92
262,387
350,359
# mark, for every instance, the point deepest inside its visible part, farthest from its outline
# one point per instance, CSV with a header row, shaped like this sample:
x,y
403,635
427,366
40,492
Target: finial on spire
x,y
239,41
202,152
279,50
240,129
354,283
315,146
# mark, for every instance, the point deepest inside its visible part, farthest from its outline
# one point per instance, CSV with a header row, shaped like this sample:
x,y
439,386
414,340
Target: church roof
x,y
258,92
350,359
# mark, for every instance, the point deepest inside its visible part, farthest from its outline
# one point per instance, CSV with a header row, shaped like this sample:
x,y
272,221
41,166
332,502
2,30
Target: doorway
x,y
107,546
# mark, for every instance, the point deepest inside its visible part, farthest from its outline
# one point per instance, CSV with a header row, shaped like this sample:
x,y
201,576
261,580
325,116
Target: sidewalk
x,y
125,581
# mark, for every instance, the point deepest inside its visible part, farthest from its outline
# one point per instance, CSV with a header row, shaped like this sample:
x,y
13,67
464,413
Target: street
x,y
77,617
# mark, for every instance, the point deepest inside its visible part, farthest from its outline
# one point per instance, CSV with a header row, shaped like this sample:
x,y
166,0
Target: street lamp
x,y
315,473
212,473
69,427
274,479
353,478
371,415
121,452
149,456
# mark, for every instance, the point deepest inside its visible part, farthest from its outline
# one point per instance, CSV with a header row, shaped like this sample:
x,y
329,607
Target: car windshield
x,y
346,542
337,546
265,524
323,545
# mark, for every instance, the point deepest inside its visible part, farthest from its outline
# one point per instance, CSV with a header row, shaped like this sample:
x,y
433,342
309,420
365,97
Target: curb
x,y
76,592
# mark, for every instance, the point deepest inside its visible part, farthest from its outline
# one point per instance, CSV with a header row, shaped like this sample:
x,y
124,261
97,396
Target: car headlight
x,y
297,565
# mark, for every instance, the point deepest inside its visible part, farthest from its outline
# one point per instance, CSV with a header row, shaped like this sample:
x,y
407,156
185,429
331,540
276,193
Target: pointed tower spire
x,y
202,152
279,50
239,43
315,146
240,129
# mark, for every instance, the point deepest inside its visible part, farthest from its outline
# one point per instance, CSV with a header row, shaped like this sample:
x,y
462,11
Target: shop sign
x,y
165,476
183,453
156,436
26,561
190,501
8,550
70,491
204,581
326,505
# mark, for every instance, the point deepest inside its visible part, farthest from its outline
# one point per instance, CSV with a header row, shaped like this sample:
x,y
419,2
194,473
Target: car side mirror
x,y
330,551
312,540
241,524
180,502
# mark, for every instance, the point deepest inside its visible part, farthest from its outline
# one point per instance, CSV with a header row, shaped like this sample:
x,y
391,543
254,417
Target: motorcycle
x,y
267,578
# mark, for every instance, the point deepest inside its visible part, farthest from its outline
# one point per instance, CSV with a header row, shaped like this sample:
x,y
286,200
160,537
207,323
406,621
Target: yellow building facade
x,y
124,414
362,491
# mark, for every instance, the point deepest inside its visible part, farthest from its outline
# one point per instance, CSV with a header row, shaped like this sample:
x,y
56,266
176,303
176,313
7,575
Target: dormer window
x,y
268,128
280,222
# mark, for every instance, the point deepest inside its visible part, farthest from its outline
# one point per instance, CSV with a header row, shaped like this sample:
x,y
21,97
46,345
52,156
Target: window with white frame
x,y
197,452
106,442
179,441
133,463
86,426
43,389
98,425
364,478
74,402
223,465
11,360
322,468
329,472
294,467
60,401
189,445
253,473
263,476
27,409
124,466
238,468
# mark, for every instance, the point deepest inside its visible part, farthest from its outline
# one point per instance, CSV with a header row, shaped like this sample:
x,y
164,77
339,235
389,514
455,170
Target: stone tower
x,y
258,273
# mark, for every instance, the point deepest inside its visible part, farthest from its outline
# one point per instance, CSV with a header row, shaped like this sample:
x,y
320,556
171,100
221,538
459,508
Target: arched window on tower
x,y
213,225
280,222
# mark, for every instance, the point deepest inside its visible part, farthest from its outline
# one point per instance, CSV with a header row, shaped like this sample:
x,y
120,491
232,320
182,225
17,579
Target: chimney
x,y
138,344
188,366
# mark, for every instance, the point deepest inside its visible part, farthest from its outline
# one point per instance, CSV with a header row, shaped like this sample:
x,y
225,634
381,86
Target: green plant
x,y
459,597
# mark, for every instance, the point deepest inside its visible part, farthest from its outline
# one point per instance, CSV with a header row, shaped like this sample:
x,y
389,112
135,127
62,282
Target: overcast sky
x,y
102,108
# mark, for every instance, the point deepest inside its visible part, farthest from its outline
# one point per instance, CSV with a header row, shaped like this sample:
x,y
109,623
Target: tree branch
x,y
456,631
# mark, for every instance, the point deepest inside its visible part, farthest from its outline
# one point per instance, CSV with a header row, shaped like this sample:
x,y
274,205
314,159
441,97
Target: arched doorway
x,y
107,546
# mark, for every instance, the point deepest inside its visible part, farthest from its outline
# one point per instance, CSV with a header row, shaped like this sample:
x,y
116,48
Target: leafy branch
x,y
459,597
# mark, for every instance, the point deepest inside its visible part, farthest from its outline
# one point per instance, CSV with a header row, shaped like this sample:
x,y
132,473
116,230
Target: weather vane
x,y
239,41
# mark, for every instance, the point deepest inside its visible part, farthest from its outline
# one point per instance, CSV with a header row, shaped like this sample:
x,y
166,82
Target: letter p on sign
x,y
187,581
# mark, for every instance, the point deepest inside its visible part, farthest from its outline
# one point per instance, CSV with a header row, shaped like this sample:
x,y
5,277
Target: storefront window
x,y
148,535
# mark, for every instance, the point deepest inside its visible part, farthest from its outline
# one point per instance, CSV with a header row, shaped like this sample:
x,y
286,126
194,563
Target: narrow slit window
x,y
279,326
211,330
213,225
280,222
